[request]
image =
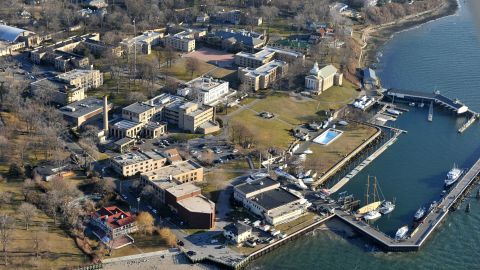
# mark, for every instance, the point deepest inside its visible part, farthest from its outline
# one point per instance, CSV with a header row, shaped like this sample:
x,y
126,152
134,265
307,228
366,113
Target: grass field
x,y
57,248
326,156
289,112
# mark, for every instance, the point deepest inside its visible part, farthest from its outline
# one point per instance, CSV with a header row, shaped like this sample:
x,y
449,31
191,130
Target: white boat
x,y
386,207
432,206
420,213
394,112
401,233
372,215
411,104
453,175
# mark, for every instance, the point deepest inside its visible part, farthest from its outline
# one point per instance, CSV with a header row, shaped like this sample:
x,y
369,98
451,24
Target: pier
x,y
426,227
436,98
430,112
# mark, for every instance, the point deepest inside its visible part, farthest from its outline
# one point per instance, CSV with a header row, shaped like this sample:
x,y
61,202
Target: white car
x,y
235,151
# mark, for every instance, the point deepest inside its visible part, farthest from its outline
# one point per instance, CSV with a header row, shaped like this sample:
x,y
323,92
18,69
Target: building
x,y
207,90
139,112
240,39
83,111
68,54
70,86
137,162
191,117
263,76
97,4
266,55
183,41
265,198
13,39
320,80
186,201
297,45
183,171
369,78
202,18
237,232
49,172
112,226
143,43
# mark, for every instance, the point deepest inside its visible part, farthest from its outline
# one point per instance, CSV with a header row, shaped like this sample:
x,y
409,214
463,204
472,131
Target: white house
x,y
237,232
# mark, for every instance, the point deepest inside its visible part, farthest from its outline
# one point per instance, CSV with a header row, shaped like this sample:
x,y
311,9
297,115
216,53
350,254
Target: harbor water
x,y
442,55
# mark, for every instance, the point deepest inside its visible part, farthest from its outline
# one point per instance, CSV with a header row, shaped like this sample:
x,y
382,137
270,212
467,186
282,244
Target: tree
x,y
167,235
145,222
6,226
192,65
170,55
28,211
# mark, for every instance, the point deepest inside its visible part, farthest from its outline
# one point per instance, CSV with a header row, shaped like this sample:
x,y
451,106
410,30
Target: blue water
x,y
442,55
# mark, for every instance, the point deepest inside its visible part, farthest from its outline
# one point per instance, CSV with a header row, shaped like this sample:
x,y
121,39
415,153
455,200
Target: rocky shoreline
x,y
380,34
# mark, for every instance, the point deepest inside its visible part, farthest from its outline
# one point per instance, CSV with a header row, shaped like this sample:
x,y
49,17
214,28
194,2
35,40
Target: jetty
x,y
366,162
430,112
426,227
437,98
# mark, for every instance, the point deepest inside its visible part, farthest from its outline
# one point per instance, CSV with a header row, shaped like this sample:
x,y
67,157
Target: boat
x,y
421,105
420,213
401,233
394,112
370,206
387,207
453,175
432,206
411,104
372,215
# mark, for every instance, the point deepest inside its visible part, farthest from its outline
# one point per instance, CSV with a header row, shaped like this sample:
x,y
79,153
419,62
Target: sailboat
x,y
369,211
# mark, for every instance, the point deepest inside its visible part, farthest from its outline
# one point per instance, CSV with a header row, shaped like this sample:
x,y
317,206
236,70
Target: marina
x,y
428,224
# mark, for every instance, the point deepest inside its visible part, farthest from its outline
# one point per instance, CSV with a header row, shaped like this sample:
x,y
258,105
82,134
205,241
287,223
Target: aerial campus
x,y
203,134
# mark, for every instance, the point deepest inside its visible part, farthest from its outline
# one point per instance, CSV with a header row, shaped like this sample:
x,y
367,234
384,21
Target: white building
x,y
207,90
320,80
143,43
237,232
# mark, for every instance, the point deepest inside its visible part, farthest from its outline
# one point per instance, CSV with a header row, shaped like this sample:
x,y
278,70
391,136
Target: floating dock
x,y
430,112
421,233
436,98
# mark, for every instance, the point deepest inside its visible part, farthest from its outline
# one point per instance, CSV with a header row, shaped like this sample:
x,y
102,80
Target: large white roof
x,y
10,33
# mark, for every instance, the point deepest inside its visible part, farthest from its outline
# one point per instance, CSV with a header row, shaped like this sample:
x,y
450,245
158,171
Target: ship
x,y
401,233
432,206
372,215
369,211
387,207
453,175
420,213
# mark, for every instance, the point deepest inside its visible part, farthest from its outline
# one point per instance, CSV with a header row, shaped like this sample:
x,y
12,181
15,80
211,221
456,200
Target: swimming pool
x,y
328,136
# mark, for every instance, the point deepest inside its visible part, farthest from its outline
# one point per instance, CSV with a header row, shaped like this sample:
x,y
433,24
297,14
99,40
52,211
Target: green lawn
x,y
179,70
142,244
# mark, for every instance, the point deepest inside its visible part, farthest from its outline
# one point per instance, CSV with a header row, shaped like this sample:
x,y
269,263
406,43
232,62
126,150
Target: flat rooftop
x,y
205,84
198,204
126,124
183,189
136,157
256,185
265,69
143,37
163,100
83,107
53,83
73,74
138,107
274,198
172,170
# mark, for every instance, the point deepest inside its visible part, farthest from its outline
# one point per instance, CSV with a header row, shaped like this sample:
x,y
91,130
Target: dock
x,y
430,112
467,124
427,226
437,98
365,163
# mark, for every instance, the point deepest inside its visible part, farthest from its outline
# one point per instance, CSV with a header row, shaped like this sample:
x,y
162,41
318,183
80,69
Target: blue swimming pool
x,y
328,136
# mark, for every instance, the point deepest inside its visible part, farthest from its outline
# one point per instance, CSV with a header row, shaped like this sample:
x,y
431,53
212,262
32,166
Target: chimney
x,y
105,115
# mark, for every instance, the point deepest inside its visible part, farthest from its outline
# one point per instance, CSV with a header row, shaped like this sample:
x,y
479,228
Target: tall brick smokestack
x,y
105,115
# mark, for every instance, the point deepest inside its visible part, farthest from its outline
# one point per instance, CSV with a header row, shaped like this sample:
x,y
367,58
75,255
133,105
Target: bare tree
x,y
192,65
28,211
6,227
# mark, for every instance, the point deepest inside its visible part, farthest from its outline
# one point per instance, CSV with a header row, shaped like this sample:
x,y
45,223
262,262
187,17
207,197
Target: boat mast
x,y
375,192
368,190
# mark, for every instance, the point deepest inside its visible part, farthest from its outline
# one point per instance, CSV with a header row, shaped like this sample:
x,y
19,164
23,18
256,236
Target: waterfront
x,y
443,55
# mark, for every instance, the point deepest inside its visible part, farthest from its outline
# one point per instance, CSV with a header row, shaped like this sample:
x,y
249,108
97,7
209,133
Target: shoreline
x,y
379,35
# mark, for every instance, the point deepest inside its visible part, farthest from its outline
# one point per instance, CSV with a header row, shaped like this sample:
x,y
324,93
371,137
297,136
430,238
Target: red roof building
x,y
112,223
